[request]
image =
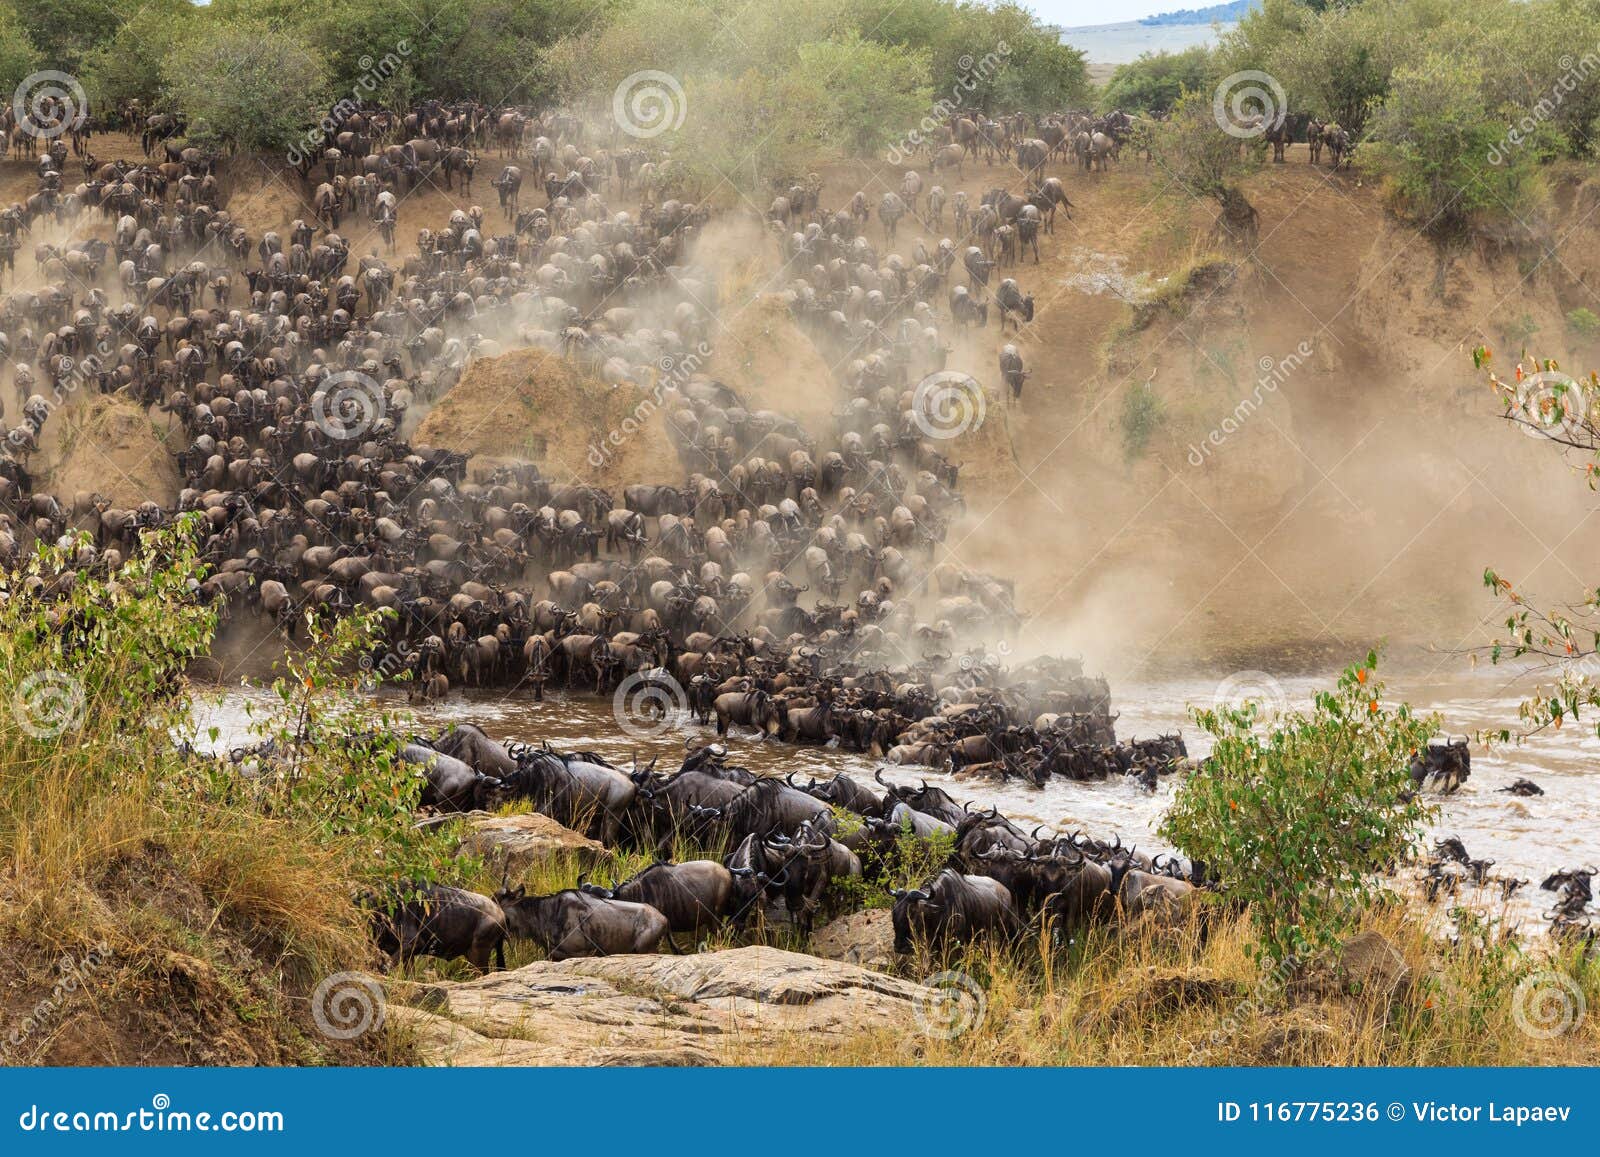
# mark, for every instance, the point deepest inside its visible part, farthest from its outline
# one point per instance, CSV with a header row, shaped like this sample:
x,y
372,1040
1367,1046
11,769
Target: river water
x,y
1525,837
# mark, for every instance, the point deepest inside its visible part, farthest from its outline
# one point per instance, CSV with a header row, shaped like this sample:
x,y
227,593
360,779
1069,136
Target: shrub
x,y
1141,415
1155,81
1301,823
1583,322
246,85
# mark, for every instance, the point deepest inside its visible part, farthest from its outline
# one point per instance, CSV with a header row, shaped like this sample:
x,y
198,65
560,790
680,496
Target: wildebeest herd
x,y
293,403
787,847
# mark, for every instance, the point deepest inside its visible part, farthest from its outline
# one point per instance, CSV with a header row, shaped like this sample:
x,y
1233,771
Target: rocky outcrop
x,y
740,1005
515,843
865,938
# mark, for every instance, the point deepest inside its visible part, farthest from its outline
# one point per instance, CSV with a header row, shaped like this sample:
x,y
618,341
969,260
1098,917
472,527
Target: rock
x,y
739,1005
515,843
1371,965
865,938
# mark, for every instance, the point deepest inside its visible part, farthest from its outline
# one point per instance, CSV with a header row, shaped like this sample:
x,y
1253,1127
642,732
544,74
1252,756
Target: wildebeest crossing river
x,y
1526,837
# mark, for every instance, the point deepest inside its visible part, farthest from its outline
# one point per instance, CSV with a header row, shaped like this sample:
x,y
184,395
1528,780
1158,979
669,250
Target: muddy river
x,y
1525,837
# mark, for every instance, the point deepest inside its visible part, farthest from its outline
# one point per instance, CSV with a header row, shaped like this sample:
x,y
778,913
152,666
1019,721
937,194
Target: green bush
x,y
1583,322
1142,414
1302,823
247,86
1444,152
1155,81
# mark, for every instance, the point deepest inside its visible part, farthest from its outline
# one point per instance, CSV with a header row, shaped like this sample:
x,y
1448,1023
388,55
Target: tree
x,y
1542,400
1155,81
875,92
1206,161
18,55
64,31
1445,155
128,66
1304,822
246,86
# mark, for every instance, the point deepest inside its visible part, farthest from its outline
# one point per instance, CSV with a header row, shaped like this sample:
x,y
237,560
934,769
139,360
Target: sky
x,y
1075,13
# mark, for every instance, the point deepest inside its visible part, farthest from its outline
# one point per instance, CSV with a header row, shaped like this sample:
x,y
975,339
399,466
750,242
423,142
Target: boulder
x,y
517,842
1370,965
738,1005
865,938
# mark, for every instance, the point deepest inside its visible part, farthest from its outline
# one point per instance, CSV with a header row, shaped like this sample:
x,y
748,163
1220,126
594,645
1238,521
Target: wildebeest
x,y
576,923
953,906
444,922
694,896
1447,765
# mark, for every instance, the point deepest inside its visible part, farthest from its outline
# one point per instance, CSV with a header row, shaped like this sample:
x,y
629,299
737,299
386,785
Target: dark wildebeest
x,y
576,923
694,896
443,922
953,907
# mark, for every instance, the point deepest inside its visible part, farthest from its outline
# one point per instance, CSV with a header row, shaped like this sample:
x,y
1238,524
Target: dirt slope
x,y
531,406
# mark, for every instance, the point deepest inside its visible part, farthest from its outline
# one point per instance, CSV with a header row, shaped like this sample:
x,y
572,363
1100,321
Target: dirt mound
x,y
530,405
762,354
108,445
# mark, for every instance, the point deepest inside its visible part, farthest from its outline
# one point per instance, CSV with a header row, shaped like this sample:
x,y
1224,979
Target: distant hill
x,y
1236,10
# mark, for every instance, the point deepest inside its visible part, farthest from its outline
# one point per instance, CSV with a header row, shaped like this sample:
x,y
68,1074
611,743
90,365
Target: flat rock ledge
x,y
516,843
735,1006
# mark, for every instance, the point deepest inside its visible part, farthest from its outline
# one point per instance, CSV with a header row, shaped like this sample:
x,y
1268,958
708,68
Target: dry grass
x,y
1160,998
1167,997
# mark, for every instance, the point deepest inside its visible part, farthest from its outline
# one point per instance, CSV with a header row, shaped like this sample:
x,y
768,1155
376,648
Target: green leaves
x,y
1302,815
